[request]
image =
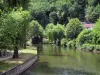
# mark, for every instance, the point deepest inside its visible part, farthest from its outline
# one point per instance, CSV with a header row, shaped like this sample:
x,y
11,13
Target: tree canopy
x,y
73,28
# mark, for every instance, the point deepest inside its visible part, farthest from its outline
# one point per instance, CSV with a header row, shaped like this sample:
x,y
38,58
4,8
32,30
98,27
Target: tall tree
x,y
12,29
80,8
73,28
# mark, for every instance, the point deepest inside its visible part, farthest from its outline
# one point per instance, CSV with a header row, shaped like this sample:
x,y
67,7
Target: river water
x,y
54,60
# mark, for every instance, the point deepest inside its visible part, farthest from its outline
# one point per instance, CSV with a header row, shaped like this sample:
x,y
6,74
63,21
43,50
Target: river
x,y
54,60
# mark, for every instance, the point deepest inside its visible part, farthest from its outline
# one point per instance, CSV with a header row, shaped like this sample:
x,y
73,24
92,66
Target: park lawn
x,y
24,55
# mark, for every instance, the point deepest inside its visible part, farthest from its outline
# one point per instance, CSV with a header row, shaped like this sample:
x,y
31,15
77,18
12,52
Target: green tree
x,y
73,28
16,3
53,17
86,36
58,33
96,32
36,29
13,28
55,33
48,31
93,13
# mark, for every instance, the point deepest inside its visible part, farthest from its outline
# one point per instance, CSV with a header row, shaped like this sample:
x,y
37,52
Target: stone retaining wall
x,y
22,67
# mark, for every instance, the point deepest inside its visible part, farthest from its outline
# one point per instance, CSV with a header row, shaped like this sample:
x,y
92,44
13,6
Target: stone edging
x,y
22,67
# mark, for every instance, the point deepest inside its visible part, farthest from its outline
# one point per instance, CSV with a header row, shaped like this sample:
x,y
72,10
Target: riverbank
x,y
24,55
91,48
95,48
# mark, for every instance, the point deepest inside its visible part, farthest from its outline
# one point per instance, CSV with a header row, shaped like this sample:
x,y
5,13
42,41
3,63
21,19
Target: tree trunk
x,y
59,42
4,53
0,54
15,55
25,45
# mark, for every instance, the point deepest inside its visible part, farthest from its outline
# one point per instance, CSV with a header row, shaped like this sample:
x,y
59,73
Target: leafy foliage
x,y
96,32
36,29
12,30
73,28
72,44
55,32
49,30
15,3
84,37
93,13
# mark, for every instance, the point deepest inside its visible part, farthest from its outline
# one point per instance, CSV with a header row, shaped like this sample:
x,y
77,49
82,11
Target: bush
x,y
96,32
84,37
90,47
84,46
72,44
97,47
63,41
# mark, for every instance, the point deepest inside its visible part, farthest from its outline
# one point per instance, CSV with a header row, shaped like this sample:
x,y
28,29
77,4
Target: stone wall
x,y
22,67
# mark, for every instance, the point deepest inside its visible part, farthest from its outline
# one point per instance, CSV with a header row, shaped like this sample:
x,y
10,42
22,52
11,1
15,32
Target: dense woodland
x,y
60,21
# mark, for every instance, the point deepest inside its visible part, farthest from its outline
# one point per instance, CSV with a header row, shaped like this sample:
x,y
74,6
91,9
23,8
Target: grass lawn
x,y
24,55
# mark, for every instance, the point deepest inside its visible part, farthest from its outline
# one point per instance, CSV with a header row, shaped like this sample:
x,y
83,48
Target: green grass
x,y
24,55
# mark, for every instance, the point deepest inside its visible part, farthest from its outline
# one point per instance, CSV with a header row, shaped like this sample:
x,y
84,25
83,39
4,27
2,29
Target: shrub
x,y
63,41
97,47
85,36
72,44
90,47
84,46
96,32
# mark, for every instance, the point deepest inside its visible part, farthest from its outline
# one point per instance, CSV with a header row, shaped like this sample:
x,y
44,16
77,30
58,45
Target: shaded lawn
x,y
24,55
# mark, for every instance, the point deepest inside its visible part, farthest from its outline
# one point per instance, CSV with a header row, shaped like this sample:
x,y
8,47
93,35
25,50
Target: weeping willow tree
x,y
48,31
55,33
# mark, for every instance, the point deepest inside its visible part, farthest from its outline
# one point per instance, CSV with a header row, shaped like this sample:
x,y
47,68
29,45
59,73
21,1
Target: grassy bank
x,y
24,55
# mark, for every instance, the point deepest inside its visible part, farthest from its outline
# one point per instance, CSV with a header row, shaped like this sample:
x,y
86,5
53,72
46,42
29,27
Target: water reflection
x,y
60,61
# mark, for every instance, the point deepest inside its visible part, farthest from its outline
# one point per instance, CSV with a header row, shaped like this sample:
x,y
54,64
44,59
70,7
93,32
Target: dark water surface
x,y
54,60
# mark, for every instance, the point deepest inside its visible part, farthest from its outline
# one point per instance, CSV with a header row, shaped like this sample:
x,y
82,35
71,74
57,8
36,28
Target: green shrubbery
x,y
71,44
89,39
85,36
97,47
96,32
63,41
90,47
